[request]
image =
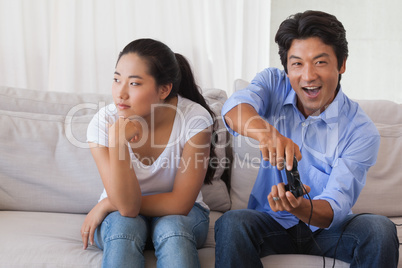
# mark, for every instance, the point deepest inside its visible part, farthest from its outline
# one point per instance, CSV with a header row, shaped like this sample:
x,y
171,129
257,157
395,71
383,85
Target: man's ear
x,y
343,67
165,90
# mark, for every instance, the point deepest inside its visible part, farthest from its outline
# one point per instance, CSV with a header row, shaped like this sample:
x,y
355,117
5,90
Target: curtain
x,y
72,45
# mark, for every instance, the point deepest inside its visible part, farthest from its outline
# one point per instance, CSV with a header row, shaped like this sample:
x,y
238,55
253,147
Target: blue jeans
x,y
244,236
175,239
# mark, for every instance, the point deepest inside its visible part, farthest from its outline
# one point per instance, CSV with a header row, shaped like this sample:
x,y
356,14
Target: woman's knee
x,y
171,226
117,226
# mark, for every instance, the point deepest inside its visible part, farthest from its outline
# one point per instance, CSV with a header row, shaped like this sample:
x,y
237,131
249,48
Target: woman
x,y
152,148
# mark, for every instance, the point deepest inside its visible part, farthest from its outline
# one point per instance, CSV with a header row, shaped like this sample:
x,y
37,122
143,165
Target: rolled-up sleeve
x,y
348,176
256,94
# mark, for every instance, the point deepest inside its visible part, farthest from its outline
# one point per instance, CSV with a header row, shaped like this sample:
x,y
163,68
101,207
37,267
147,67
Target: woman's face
x,y
133,89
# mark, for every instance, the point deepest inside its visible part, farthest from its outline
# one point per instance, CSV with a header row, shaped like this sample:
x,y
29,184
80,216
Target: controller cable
x,y
309,220
311,215
343,230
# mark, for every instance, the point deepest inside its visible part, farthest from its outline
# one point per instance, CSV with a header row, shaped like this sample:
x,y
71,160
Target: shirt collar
x,y
330,114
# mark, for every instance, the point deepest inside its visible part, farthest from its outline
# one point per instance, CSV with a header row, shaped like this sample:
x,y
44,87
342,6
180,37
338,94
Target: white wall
x,y
72,45
374,32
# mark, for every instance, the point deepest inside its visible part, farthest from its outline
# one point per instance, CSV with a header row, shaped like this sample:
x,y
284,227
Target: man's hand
x,y
276,148
281,200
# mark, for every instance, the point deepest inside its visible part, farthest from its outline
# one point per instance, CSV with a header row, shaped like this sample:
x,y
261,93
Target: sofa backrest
x,y
245,165
381,193
45,162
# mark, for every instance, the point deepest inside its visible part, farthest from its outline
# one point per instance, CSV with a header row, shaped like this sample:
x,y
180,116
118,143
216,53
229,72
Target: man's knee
x,y
231,222
382,229
379,229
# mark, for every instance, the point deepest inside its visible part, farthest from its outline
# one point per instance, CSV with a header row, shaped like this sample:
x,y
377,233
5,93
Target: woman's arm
x,y
115,169
123,188
188,181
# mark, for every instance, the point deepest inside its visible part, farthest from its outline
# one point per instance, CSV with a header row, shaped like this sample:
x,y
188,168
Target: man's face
x,y
313,73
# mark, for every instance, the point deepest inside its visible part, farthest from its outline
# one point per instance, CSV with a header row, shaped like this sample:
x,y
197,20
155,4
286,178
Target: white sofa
x,y
49,181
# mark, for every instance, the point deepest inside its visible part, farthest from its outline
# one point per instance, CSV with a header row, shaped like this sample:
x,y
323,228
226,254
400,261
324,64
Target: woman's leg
x,y
122,240
176,238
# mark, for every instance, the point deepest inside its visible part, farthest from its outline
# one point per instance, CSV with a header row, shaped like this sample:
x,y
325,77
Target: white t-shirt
x,y
158,177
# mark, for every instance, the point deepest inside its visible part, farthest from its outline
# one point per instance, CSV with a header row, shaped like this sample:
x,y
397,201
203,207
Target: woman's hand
x,y
92,221
125,130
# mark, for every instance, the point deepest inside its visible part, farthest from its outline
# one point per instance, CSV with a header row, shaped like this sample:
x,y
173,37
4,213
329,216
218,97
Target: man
x,y
302,112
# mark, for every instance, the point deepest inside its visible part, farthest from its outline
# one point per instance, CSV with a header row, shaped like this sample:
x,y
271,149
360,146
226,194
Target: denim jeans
x,y
244,236
175,239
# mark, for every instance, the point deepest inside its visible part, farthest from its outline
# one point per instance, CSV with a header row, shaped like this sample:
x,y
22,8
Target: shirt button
x,y
303,124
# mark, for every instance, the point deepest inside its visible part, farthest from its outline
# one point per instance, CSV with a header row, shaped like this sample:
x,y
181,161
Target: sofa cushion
x,y
35,239
216,195
40,240
245,165
46,164
46,102
384,178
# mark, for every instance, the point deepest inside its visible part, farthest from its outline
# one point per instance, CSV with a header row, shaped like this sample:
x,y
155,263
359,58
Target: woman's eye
x,y
134,84
116,80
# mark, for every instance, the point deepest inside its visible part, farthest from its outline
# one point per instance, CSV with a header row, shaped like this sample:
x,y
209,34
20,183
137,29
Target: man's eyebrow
x,y
294,57
316,57
321,55
131,76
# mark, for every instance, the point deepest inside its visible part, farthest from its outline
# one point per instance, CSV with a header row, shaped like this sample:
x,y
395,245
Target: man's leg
x,y
244,236
368,241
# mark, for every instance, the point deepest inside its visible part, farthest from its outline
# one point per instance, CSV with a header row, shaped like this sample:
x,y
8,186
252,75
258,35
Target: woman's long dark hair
x,y
167,67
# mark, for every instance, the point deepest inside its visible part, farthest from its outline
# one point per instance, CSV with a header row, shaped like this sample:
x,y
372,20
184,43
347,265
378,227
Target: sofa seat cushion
x,y
40,239
300,261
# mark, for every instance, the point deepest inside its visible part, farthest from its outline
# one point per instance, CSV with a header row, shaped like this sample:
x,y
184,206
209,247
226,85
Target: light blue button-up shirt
x,y
338,146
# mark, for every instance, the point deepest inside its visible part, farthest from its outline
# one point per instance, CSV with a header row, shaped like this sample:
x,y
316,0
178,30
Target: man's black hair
x,y
312,24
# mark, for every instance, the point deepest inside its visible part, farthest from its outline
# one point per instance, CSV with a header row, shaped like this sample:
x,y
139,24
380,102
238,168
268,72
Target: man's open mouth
x,y
312,91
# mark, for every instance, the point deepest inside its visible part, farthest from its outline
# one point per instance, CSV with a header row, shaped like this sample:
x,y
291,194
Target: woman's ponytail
x,y
189,89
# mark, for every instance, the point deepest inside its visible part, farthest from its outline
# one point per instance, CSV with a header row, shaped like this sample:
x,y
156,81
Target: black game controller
x,y
294,184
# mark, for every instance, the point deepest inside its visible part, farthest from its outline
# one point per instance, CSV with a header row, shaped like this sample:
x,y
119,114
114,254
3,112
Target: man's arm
x,y
245,120
274,147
